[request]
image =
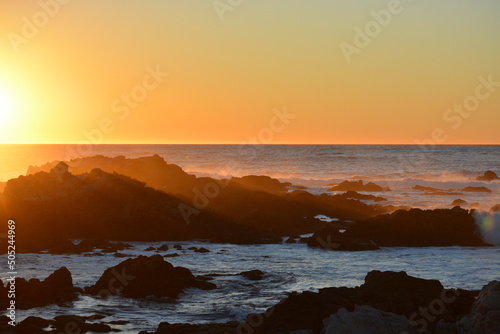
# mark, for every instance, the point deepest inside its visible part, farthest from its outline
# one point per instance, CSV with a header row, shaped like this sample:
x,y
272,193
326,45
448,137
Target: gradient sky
x,y
227,76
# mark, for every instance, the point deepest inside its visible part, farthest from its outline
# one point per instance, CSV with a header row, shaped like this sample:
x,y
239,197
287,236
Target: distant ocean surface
x,y
399,167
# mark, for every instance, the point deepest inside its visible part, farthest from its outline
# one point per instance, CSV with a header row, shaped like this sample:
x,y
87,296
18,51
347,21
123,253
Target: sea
x,y
287,267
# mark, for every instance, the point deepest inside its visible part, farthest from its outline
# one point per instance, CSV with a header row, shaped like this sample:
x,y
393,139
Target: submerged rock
x,y
253,275
147,276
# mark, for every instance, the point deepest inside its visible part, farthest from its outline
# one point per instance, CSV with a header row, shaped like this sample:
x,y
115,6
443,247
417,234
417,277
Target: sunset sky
x,y
64,75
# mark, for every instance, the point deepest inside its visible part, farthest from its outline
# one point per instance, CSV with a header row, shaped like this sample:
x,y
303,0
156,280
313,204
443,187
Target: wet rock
x,y
171,255
488,176
290,240
253,275
36,321
148,276
358,186
367,320
419,228
56,288
149,249
178,247
163,248
202,250
484,317
392,292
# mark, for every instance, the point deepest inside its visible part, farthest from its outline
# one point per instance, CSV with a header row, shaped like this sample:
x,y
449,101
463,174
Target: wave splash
x,y
489,224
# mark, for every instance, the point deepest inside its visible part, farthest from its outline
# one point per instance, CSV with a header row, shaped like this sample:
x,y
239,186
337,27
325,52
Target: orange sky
x,y
65,77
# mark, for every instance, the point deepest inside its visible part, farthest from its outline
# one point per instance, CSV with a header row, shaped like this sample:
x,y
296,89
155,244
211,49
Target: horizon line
x,y
252,144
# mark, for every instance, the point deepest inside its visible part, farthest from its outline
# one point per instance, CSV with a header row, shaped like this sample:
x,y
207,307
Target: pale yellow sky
x,y
97,71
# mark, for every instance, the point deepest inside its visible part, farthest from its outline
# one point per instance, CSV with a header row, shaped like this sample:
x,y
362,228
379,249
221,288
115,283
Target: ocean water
x,y
288,267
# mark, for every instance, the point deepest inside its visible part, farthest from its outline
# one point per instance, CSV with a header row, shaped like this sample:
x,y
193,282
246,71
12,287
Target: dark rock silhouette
x,y
419,228
146,276
358,186
488,176
262,183
80,201
393,292
56,288
484,315
253,275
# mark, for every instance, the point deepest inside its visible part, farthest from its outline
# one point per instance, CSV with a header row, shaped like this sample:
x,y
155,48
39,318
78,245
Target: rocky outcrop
x,y
392,292
419,228
484,317
358,186
488,176
146,276
56,288
79,201
367,320
262,183
332,239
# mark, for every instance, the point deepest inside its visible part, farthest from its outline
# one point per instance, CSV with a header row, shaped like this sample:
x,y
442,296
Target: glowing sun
x,y
5,107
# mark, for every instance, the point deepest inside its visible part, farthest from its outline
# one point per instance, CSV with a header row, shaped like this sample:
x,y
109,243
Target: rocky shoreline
x,y
387,302
108,202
